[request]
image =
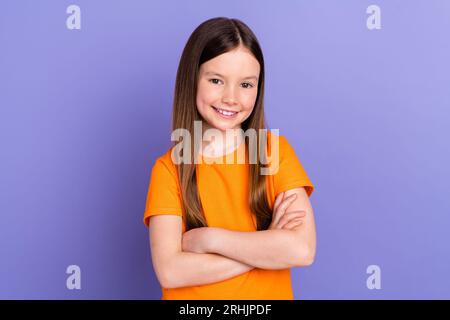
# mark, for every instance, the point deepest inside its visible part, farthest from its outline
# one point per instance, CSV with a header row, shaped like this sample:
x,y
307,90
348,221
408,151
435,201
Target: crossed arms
x,y
207,255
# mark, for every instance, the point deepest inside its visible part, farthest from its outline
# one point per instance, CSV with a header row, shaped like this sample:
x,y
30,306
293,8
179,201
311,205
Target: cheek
x,y
248,100
206,95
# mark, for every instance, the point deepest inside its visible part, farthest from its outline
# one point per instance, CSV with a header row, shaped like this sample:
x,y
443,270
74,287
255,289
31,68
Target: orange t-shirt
x,y
223,190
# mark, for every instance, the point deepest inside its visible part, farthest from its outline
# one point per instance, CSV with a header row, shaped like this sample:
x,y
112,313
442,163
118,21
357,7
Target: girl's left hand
x,y
195,240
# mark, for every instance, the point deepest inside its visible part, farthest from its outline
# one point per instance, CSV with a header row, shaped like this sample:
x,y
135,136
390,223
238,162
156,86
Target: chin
x,y
223,127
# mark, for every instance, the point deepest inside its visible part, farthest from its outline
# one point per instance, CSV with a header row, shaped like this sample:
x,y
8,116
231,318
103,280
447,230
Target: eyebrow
x,y
218,74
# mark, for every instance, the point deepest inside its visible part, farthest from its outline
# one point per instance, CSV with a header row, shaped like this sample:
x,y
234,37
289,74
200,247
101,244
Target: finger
x,y
292,224
276,215
298,213
284,205
278,200
288,216
287,202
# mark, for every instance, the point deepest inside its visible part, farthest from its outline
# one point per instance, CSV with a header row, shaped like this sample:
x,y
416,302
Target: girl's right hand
x,y
282,219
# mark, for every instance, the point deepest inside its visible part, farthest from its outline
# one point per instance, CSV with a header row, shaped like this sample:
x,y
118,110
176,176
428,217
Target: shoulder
x,y
165,163
275,136
278,141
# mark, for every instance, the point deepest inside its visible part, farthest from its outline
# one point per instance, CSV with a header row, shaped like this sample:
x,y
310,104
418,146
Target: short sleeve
x,y
163,195
291,173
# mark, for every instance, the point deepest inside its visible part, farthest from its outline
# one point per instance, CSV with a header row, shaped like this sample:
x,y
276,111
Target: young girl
x,y
221,230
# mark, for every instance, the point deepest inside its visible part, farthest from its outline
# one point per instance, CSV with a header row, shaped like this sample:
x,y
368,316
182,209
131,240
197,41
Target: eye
x,y
247,85
214,81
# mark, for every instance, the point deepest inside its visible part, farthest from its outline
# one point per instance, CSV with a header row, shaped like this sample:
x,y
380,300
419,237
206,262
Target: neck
x,y
218,145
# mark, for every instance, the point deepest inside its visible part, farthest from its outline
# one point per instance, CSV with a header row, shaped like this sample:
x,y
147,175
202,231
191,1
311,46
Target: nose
x,y
229,96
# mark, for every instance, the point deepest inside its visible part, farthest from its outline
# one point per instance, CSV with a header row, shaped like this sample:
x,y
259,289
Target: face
x,y
227,89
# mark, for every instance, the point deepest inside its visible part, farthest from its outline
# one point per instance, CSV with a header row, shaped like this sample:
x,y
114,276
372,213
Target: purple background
x,y
84,114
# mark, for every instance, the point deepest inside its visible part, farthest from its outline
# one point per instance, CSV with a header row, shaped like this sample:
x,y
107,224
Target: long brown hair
x,y
210,39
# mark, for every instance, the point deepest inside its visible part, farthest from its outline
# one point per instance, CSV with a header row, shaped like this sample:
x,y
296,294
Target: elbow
x,y
309,259
168,284
166,281
166,275
169,278
305,256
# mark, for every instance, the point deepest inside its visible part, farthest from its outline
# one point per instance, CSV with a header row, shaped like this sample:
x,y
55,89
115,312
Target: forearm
x,y
267,249
193,269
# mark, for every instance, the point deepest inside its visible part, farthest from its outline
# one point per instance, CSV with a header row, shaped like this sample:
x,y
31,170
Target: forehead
x,y
236,63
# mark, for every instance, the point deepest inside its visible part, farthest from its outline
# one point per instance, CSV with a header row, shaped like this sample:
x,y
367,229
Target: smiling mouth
x,y
225,113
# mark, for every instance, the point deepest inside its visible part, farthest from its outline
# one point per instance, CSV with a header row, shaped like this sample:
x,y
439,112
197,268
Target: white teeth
x,y
227,113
